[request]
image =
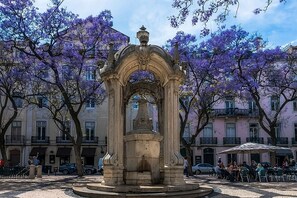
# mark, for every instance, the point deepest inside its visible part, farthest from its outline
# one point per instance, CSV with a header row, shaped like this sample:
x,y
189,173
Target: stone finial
x,y
176,53
110,57
143,36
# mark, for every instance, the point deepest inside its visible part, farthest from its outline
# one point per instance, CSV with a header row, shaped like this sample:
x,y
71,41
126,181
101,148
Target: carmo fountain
x,y
142,162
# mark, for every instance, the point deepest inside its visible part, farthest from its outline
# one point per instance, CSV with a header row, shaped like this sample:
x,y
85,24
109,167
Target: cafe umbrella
x,y
251,147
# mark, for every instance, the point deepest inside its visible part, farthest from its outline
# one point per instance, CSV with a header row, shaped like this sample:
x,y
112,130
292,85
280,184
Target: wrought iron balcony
x,y
90,140
40,140
188,139
279,140
15,140
294,141
234,112
208,140
259,140
63,140
231,140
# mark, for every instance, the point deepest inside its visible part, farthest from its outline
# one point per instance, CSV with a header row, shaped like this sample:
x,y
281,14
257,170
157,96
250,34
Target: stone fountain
x,y
142,162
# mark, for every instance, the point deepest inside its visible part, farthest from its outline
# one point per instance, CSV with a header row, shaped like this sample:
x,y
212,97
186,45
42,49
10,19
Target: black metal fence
x,y
14,172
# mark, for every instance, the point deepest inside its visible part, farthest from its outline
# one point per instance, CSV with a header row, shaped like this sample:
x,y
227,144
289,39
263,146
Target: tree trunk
x,y
79,166
3,149
189,157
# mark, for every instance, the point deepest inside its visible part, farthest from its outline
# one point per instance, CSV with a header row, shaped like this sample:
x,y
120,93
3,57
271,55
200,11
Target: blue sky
x,y
278,25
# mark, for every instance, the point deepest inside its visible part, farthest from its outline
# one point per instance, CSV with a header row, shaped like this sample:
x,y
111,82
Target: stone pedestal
x,y
32,172
39,171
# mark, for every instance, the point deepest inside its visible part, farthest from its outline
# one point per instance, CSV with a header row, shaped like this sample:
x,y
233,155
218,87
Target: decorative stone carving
x,y
143,56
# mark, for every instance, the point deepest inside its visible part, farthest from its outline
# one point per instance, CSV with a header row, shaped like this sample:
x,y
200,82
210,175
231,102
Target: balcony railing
x,y
62,140
234,112
15,140
259,140
231,140
40,140
188,139
279,140
294,140
90,139
208,140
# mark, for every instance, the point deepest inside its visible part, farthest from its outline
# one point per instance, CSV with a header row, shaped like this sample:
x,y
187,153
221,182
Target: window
x,y
16,130
67,125
42,101
41,130
295,105
18,101
230,130
207,131
90,73
277,130
230,105
274,103
254,133
90,103
90,130
252,106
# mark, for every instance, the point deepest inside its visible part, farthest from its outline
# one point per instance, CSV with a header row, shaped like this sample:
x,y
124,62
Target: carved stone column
x,y
113,160
173,161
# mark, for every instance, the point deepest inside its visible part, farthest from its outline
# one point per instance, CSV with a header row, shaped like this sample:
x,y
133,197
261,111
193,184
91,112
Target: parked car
x,y
67,168
70,168
202,168
89,169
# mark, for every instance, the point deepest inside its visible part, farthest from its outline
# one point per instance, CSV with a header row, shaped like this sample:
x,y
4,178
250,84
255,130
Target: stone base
x,y
189,190
138,178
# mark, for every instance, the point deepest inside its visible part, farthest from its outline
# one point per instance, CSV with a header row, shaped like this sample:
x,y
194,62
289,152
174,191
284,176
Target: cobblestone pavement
x,y
61,187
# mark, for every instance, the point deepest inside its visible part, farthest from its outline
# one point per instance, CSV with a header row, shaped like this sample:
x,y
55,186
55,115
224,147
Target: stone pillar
x,y
32,172
173,161
113,160
39,171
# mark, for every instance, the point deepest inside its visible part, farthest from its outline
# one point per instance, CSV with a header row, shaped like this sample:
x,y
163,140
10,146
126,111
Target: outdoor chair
x,y
290,175
244,173
279,174
263,175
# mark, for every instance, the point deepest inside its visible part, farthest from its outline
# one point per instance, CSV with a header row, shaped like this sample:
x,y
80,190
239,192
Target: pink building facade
x,y
234,122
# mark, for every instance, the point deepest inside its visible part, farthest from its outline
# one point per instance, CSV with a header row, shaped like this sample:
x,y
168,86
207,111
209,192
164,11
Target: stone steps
x,y
92,191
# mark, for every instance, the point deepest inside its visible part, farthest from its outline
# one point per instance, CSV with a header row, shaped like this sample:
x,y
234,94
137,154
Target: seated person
x,y
218,171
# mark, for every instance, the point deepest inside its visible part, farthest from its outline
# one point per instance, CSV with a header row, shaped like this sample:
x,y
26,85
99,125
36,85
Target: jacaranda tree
x,y
265,77
64,53
203,11
203,87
